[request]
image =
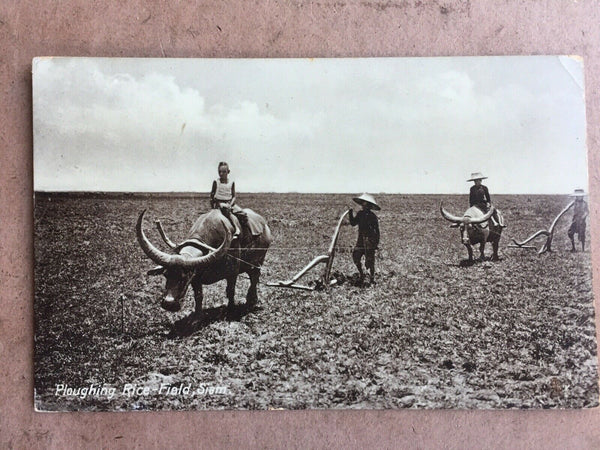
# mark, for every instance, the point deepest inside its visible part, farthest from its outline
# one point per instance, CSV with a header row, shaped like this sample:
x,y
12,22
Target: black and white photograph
x,y
347,233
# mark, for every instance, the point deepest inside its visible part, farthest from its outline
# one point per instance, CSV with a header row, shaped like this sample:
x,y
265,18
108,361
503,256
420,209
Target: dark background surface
x,y
262,29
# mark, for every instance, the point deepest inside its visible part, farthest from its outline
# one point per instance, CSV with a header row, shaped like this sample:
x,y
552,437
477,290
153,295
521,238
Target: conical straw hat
x,y
367,198
476,176
577,193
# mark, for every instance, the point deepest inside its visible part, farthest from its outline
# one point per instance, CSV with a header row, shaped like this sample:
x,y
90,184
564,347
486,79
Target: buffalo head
x,y
179,268
476,228
467,224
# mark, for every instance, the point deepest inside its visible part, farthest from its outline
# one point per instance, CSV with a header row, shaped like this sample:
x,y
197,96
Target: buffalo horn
x,y
168,260
446,215
485,217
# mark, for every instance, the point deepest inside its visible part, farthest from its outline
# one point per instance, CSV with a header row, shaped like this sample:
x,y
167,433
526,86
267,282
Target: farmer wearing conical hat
x,y
479,196
580,213
368,234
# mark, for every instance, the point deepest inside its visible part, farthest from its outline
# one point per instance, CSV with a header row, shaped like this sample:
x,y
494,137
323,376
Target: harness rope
x,y
197,243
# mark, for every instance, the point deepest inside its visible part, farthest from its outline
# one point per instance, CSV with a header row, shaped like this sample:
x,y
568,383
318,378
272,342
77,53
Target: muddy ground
x,y
432,332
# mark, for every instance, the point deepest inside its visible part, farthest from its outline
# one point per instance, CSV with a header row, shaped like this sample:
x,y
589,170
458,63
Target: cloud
x,y
98,123
394,125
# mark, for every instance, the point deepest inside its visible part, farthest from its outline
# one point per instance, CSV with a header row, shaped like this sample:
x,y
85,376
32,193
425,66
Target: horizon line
x,y
207,194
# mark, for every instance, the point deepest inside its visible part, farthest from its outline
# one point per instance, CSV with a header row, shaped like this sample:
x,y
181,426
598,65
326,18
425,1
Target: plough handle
x,y
331,251
551,230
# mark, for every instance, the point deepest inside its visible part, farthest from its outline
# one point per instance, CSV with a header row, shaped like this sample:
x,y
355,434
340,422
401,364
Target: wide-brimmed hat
x,y
577,193
367,198
476,176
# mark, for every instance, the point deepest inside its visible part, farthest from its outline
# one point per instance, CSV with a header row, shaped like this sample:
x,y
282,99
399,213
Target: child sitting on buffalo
x,y
368,234
222,196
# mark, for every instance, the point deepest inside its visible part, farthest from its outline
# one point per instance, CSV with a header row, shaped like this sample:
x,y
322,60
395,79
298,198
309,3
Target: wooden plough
x,y
549,233
325,280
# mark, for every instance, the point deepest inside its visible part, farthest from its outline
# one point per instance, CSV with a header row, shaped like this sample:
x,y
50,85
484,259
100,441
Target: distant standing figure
x,y
580,213
368,234
479,196
222,196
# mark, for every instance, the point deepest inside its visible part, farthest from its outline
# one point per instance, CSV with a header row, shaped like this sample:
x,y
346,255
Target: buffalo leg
x,y
198,296
482,251
470,250
230,291
252,296
495,245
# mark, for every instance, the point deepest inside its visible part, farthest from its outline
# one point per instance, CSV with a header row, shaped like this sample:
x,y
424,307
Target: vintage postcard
x,y
312,233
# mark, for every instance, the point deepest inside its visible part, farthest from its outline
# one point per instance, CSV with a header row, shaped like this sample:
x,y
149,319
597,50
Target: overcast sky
x,y
397,125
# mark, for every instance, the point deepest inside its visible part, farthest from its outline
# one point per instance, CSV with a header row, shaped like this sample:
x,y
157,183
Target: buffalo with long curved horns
x,y
209,254
476,228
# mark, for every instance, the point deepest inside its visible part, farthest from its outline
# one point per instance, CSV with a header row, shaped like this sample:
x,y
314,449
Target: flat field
x,y
430,333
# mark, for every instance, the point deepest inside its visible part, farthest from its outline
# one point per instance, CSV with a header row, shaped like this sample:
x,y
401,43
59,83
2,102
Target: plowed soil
x,y
432,332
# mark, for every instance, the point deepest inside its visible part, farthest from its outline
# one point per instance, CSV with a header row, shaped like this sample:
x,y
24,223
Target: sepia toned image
x,y
312,233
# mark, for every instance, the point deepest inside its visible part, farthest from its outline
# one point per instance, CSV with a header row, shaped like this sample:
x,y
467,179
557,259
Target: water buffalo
x,y
209,254
476,228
